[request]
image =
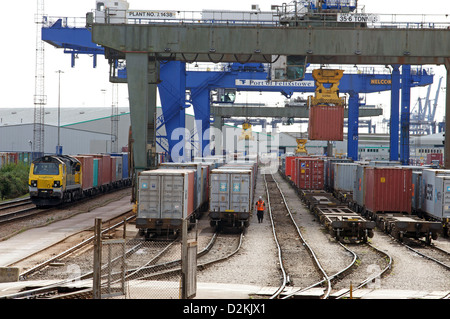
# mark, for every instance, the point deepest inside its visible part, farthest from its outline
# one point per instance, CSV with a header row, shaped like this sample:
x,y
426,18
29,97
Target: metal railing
x,y
273,18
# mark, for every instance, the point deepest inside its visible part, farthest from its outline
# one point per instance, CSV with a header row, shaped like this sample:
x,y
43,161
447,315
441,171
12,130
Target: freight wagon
x,y
166,197
231,195
340,221
56,179
308,175
385,194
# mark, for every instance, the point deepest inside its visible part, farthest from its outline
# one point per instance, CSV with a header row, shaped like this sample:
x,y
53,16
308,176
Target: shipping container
x,y
87,170
231,190
435,158
197,167
329,170
124,164
344,176
113,167
417,194
104,168
165,194
432,186
326,123
388,189
95,174
385,163
309,173
116,168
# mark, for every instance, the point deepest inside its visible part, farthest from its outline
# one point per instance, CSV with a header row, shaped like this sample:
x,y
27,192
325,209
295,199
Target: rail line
x,y
442,254
338,275
285,281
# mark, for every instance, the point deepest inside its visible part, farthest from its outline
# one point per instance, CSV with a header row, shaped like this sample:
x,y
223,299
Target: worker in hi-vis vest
x,y
260,205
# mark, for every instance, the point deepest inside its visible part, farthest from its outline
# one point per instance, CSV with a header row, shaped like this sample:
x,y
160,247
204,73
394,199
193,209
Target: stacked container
x,y
388,189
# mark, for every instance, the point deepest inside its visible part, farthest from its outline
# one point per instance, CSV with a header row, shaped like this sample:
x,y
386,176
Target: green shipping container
x,y
95,174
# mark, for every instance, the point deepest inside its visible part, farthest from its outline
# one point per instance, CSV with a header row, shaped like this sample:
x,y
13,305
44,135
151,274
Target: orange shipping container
x,y
326,123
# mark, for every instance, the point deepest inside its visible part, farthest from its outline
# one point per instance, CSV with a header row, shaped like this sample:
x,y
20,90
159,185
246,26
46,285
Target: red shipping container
x,y
87,169
310,173
326,123
435,157
113,169
288,165
388,189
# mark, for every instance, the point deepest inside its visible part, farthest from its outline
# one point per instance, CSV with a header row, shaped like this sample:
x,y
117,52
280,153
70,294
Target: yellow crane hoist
x,y
327,87
301,146
246,132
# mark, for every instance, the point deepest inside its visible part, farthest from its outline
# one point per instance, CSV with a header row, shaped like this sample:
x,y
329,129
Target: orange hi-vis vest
x,y
260,205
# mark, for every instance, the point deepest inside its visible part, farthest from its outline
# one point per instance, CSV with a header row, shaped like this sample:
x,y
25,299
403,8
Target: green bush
x,y
13,180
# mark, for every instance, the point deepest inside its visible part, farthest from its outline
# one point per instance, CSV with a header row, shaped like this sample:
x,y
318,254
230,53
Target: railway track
x,y
331,280
430,252
158,265
280,216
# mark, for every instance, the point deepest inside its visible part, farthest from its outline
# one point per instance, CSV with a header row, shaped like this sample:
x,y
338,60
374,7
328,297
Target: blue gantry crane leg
x,y
405,114
394,123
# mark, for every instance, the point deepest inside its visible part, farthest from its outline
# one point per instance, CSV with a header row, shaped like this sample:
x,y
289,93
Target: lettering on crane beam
x,y
359,17
380,82
155,14
265,83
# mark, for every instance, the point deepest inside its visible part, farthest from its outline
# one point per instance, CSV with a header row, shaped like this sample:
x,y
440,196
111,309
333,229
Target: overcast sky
x,y
82,86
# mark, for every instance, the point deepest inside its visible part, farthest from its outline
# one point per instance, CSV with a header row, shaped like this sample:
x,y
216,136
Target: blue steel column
x,y
172,92
405,114
394,123
352,132
202,108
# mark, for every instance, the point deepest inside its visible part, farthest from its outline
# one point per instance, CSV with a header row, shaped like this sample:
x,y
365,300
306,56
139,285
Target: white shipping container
x,y
231,190
198,178
166,194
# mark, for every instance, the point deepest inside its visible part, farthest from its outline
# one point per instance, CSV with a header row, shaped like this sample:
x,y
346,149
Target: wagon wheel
x,y
364,239
400,236
428,239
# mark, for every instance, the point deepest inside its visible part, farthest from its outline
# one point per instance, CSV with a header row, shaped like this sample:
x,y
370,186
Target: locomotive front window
x,y
46,169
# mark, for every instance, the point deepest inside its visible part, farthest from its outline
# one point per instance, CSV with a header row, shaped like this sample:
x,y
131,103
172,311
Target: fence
x,y
132,268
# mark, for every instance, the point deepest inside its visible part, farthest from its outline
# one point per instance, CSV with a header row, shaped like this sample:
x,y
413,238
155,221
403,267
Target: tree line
x,y
13,180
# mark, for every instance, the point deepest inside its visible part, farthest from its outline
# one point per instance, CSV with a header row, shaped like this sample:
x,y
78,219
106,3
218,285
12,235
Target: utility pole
x,y
58,147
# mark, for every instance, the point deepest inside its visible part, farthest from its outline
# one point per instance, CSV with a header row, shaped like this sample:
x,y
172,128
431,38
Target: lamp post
x,y
58,147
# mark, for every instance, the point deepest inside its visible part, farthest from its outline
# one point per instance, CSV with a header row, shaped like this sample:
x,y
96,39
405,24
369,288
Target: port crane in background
x,y
423,116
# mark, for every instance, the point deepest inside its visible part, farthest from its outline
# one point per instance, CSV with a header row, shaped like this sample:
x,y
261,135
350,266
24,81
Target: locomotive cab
x,y
54,179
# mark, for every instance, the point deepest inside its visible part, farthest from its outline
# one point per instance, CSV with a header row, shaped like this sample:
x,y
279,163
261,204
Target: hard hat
x,y
260,197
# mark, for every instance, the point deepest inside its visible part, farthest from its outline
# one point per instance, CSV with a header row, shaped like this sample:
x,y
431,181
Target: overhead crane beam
x,y
257,43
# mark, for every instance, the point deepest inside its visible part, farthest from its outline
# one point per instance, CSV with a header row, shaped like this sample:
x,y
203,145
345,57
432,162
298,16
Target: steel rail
x,y
280,258
429,257
326,278
372,277
72,249
332,277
